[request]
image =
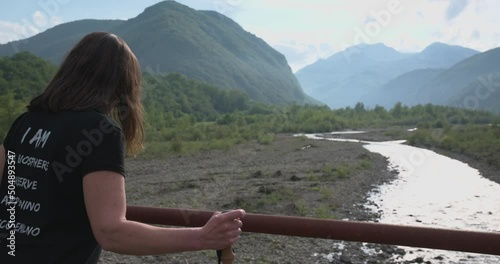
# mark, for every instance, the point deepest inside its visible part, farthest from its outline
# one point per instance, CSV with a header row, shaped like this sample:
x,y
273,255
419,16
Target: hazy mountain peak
x,y
349,76
165,9
167,4
438,44
377,51
378,45
369,48
438,47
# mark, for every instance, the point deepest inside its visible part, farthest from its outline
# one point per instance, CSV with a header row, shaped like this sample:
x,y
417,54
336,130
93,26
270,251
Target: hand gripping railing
x,y
412,236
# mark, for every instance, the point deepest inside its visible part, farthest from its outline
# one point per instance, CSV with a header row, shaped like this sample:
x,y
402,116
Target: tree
x,y
10,109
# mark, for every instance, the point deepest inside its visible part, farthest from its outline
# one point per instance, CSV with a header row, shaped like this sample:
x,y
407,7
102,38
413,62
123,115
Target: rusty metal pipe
x,y
412,236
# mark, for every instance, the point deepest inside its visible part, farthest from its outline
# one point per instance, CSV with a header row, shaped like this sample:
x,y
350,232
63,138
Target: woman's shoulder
x,y
95,119
91,116
82,119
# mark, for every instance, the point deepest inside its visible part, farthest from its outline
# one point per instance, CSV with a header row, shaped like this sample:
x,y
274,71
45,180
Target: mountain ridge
x,y
169,37
344,79
402,89
457,78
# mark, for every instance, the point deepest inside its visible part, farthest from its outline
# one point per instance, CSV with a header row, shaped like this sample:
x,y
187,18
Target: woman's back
x,y
52,152
62,189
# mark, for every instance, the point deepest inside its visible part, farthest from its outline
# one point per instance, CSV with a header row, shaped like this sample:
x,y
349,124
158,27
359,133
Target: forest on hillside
x,y
170,37
184,115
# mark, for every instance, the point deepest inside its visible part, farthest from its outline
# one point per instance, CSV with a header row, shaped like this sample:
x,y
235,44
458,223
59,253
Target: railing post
x,y
226,256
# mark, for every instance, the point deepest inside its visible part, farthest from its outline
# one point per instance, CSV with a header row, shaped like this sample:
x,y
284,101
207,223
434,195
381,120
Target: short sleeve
x,y
108,150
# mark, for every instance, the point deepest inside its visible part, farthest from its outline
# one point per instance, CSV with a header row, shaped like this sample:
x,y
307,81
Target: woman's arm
x,y
105,201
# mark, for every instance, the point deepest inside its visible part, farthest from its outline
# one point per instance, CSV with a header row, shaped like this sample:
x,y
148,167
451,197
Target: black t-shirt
x,y
49,154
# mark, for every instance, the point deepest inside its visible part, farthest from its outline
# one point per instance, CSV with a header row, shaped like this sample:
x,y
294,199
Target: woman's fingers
x,y
233,233
224,229
231,215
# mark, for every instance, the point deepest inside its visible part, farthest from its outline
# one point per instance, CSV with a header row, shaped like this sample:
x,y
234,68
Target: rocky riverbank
x,y
290,176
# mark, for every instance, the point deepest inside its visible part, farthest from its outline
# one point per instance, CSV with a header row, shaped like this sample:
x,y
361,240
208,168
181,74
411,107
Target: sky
x,y
303,30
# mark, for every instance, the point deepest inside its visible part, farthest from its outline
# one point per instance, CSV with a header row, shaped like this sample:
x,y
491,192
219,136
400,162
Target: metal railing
x,y
412,236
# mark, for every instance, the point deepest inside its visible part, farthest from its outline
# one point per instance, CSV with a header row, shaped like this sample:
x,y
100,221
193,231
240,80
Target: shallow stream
x,y
434,190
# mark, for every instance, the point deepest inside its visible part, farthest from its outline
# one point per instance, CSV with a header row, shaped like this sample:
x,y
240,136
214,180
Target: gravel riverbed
x,y
291,176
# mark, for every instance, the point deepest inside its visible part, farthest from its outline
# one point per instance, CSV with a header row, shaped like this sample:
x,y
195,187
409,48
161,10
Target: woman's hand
x,y
222,230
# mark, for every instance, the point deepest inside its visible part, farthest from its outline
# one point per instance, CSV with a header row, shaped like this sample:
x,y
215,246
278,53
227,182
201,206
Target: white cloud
x,y
57,20
39,19
42,20
301,54
476,34
473,28
6,37
25,28
455,8
7,26
10,31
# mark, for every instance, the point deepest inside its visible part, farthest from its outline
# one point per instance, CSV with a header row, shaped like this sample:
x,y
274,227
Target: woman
x,y
62,189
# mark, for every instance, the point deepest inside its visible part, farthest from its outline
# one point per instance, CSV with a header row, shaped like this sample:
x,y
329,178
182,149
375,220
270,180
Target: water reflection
x,y
434,190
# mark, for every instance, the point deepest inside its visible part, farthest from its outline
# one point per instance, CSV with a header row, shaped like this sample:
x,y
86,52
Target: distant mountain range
x,y
379,75
170,37
404,88
471,83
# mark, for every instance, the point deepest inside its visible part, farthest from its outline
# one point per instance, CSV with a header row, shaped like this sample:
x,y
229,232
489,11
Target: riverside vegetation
x,y
185,115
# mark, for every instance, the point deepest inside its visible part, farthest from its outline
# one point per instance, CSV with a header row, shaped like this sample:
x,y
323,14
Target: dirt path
x,y
290,176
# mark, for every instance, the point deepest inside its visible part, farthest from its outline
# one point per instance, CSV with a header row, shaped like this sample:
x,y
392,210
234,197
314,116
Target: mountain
x,y
53,44
440,55
473,83
403,88
169,37
351,76
481,94
345,76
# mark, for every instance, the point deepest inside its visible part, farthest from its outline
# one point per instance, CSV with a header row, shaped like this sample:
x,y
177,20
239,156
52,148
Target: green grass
x,y
332,173
325,194
265,138
365,164
311,176
301,208
325,212
478,142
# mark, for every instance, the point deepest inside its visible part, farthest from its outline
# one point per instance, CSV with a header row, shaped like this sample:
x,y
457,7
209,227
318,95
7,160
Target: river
x,y
434,190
